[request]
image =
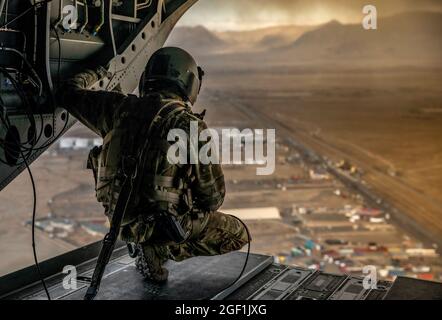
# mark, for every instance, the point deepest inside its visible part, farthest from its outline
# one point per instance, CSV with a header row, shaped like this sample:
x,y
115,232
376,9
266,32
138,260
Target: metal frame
x,y
28,277
245,278
124,69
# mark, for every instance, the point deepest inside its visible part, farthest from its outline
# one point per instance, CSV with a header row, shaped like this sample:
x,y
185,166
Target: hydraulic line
x,y
2,5
86,16
60,14
101,23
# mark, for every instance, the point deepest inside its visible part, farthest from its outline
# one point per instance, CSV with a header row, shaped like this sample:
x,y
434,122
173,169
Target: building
x,y
51,225
269,213
319,174
74,143
94,229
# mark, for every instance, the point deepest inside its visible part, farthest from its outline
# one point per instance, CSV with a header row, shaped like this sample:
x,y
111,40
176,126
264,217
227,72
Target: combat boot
x,y
149,262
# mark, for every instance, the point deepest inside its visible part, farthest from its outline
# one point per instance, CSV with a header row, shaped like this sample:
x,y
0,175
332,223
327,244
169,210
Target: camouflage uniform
x,y
192,193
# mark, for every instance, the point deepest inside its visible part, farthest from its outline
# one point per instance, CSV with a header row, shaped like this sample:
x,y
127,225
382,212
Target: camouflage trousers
x,y
212,234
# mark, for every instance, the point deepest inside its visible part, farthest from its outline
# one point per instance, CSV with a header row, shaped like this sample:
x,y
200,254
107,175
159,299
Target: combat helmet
x,y
173,68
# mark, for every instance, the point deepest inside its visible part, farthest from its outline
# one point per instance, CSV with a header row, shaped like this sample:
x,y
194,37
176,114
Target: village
x,y
302,215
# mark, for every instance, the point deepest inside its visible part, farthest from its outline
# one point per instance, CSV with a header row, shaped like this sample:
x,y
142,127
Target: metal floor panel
x,y
352,289
197,278
258,283
414,289
208,278
319,286
284,284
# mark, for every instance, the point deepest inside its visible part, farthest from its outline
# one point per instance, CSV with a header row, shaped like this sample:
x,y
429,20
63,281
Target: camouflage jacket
x,y
121,121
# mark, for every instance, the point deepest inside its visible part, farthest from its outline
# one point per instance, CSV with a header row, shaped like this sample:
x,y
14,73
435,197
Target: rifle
x,y
127,176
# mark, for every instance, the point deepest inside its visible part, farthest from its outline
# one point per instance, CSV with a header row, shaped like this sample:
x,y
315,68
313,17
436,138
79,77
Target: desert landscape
x,y
365,106
372,98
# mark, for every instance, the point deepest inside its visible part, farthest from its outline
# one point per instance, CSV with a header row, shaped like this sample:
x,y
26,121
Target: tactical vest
x,y
156,193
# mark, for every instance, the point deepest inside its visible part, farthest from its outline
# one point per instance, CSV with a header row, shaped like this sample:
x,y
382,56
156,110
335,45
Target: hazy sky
x,y
249,14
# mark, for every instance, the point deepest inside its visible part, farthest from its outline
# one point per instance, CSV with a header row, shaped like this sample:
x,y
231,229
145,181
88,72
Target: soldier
x,y
174,214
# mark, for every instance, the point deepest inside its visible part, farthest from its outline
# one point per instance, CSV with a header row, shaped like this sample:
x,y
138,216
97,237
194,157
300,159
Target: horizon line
x,y
257,27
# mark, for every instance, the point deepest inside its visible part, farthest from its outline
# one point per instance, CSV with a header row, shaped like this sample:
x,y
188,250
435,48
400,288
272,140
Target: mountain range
x,y
406,36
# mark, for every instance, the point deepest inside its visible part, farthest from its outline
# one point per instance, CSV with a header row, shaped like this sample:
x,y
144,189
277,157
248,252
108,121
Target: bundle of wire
x,y
25,150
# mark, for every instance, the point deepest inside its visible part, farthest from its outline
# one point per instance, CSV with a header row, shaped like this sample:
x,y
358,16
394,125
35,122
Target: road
x,y
411,210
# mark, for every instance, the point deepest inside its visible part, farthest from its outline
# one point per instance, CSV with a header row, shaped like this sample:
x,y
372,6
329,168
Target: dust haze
x,y
370,98
249,14
365,105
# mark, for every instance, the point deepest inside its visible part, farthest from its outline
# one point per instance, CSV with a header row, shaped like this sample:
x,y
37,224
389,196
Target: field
x,y
385,121
371,100
381,123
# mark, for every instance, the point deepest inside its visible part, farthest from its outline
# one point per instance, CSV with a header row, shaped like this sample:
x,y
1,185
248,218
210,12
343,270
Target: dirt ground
x,y
387,122
53,175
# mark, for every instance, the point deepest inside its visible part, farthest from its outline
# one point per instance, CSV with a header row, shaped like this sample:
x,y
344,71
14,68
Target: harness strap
x,y
164,196
166,182
199,223
107,138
